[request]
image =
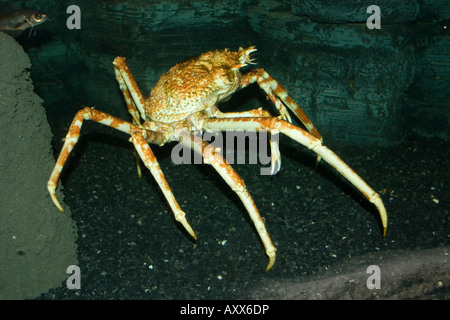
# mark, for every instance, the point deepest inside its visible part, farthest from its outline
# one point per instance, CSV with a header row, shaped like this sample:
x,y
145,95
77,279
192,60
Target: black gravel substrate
x,y
131,247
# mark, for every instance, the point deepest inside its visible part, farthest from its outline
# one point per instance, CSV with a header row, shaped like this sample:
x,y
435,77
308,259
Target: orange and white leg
x,y
130,90
72,138
149,159
138,137
309,141
274,148
214,112
132,95
235,182
280,97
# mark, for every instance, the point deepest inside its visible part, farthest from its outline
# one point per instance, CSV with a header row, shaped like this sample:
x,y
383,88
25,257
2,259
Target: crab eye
x,y
226,76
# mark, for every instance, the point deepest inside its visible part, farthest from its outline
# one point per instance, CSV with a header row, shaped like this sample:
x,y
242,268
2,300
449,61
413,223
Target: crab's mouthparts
x,y
245,58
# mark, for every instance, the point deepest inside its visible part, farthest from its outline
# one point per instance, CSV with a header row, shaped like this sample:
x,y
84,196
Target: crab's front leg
x,y
72,138
149,160
139,137
309,141
280,98
235,182
214,112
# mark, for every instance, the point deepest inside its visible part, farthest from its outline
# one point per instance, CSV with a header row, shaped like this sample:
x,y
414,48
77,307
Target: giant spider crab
x,y
185,100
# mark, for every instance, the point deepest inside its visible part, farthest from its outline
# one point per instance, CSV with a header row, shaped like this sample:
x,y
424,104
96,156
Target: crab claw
x,y
244,58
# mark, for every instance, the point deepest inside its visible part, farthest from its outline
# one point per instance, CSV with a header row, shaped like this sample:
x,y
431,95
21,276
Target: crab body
x,y
196,84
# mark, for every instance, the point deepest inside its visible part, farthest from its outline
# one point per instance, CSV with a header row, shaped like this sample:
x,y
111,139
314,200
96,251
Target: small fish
x,y
17,21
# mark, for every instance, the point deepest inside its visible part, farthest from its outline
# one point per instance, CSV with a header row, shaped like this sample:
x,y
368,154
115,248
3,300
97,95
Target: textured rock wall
x,y
358,85
428,99
37,242
154,36
349,78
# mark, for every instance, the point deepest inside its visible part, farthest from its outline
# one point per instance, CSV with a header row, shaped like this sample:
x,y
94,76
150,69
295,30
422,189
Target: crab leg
x,y
152,164
72,138
132,94
140,144
309,141
131,106
142,147
216,113
235,182
275,151
121,70
280,97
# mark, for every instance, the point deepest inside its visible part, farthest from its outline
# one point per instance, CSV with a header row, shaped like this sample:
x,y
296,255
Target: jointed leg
x,y
72,138
131,106
127,84
274,148
132,94
216,113
74,133
280,97
149,159
140,143
309,141
235,182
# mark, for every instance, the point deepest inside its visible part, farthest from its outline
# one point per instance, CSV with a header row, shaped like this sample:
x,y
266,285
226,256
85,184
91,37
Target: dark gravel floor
x,y
130,246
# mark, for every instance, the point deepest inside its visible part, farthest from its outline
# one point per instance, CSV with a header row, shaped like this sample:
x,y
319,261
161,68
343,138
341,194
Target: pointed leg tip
x,y
270,265
60,207
191,233
188,228
55,201
275,168
272,257
376,200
